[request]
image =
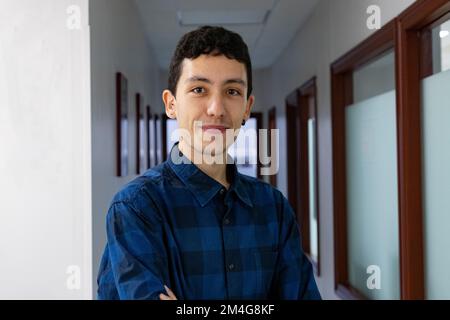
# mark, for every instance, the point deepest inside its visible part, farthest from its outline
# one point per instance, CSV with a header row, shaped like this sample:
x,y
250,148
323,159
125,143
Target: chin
x,y
209,147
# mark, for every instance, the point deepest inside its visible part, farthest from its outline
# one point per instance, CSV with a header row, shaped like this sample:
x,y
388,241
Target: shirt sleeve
x,y
294,277
136,252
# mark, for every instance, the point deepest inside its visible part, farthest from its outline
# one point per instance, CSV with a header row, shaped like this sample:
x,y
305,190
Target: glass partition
x,y
372,185
372,201
436,169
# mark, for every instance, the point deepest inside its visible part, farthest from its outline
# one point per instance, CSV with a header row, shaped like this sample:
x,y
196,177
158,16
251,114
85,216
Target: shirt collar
x,y
202,186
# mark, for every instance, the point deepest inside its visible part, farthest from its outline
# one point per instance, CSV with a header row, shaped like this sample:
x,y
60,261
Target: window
x,y
423,114
441,47
422,104
301,116
308,173
365,170
246,147
171,134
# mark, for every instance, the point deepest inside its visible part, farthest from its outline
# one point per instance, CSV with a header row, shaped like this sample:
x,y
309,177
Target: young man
x,y
190,229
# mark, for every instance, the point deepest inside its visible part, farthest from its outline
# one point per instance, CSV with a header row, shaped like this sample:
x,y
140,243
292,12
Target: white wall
x,y
45,195
335,27
118,43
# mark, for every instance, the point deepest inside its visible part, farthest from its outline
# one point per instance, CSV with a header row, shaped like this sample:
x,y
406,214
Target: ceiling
x,y
267,26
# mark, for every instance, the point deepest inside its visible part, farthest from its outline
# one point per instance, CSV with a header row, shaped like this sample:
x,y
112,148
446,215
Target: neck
x,y
217,171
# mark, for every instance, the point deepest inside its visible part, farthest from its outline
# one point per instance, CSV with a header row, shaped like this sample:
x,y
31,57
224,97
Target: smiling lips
x,y
213,128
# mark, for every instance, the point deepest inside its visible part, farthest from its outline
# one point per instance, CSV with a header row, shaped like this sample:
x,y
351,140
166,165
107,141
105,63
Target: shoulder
x,y
261,191
144,191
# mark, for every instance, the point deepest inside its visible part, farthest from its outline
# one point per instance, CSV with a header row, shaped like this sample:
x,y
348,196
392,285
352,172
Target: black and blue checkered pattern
x,y
175,225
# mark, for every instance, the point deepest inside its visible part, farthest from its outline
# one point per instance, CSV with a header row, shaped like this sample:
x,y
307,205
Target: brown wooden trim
x,y
147,126
292,150
272,125
307,112
426,52
302,171
413,59
409,169
259,119
157,160
138,132
423,13
118,127
439,21
308,88
298,111
372,47
413,62
120,79
342,96
164,136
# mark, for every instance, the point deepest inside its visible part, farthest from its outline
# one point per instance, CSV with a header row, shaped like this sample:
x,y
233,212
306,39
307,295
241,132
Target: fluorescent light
x,y
443,33
240,17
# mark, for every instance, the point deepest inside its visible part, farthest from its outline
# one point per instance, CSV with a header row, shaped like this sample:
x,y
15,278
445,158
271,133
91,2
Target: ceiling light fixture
x,y
229,17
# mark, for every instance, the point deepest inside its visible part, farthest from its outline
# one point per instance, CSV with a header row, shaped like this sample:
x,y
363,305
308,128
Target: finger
x,y
171,294
163,297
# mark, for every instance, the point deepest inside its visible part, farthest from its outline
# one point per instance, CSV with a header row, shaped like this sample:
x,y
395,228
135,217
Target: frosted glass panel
x,y
312,189
159,142
171,134
436,183
245,149
374,78
152,142
441,47
372,202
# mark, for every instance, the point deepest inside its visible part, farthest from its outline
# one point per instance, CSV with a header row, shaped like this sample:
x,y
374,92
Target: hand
x,y
170,296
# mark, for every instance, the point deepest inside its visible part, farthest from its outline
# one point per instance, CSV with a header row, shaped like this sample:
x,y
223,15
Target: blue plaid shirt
x,y
177,226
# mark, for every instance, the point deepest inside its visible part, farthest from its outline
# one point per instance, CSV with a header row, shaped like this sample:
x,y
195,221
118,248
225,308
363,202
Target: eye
x,y
198,90
234,92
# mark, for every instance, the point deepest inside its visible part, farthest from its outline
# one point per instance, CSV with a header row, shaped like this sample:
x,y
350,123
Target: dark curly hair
x,y
212,41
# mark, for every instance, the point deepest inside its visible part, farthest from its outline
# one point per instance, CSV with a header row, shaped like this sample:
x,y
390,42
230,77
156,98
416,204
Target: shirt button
x,y
226,221
222,191
231,266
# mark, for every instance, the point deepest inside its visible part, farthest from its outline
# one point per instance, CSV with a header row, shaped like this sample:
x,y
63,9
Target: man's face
x,y
211,97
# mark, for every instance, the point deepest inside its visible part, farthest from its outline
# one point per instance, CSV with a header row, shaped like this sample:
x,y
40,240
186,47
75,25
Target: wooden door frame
x,y
297,115
342,95
413,63
259,120
148,135
272,125
164,118
139,113
409,34
305,92
293,151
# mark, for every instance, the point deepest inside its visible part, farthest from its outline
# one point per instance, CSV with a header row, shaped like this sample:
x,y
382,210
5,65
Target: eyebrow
x,y
202,79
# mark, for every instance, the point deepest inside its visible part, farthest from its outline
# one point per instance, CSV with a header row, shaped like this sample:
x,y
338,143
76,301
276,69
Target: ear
x,y
169,103
248,107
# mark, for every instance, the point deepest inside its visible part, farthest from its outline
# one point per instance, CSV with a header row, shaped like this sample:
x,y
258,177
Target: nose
x,y
216,107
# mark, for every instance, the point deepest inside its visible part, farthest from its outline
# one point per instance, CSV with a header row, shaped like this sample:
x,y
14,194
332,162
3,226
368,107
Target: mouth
x,y
214,128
